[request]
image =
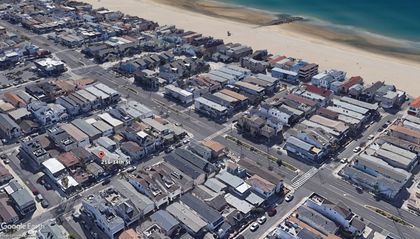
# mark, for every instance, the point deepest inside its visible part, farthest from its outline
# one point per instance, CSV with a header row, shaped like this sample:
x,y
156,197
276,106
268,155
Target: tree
x,y
65,182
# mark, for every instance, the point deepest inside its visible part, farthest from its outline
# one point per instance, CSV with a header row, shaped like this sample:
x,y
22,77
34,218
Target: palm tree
x,y
65,182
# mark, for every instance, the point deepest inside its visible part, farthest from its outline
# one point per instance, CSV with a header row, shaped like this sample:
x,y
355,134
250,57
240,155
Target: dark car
x,y
45,203
106,181
271,212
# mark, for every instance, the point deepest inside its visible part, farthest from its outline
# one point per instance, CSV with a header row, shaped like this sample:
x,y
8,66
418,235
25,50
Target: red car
x,y
271,212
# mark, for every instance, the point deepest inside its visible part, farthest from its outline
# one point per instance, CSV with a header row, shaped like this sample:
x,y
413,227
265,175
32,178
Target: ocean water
x,y
394,19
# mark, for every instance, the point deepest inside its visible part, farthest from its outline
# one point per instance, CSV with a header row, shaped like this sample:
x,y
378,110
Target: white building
x,y
183,96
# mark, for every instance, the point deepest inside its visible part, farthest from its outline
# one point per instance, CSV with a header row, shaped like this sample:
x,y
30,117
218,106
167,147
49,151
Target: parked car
x,y
371,136
359,189
39,197
45,203
3,156
343,160
262,220
106,181
289,197
254,227
271,212
357,149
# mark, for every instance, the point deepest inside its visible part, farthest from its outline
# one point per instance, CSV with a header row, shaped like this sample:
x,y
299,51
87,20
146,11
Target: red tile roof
x,y
300,100
317,90
415,103
352,81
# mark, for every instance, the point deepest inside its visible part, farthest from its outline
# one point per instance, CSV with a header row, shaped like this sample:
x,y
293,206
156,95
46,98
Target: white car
x,y
371,136
254,227
262,220
343,160
289,197
357,149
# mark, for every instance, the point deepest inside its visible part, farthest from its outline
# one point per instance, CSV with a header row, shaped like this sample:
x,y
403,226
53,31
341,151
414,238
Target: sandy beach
x,y
297,40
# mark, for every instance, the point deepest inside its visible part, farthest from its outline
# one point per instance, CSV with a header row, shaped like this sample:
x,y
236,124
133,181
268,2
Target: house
x,y
146,78
79,137
405,133
88,129
106,143
316,220
106,129
62,139
145,184
5,175
8,128
323,80
338,213
210,108
354,80
307,72
8,214
165,221
32,151
285,75
414,107
47,114
195,160
301,149
190,220
58,174
113,122
217,149
208,214
51,230
185,167
105,216
23,202
262,187
179,94
49,67
69,160
201,151
133,150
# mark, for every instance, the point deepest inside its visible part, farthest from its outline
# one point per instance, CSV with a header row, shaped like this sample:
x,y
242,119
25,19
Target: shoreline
x,y
311,27
297,39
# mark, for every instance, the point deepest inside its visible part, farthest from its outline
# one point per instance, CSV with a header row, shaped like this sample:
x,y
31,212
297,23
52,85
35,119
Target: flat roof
x,y
249,86
400,151
85,94
233,94
74,132
186,216
363,104
110,120
211,104
90,130
178,90
388,155
292,73
346,112
108,90
225,97
229,179
336,125
383,168
350,106
53,165
155,124
96,92
241,205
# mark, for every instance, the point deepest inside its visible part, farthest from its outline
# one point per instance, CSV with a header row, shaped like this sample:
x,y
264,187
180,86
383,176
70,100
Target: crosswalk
x,y
305,177
220,132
